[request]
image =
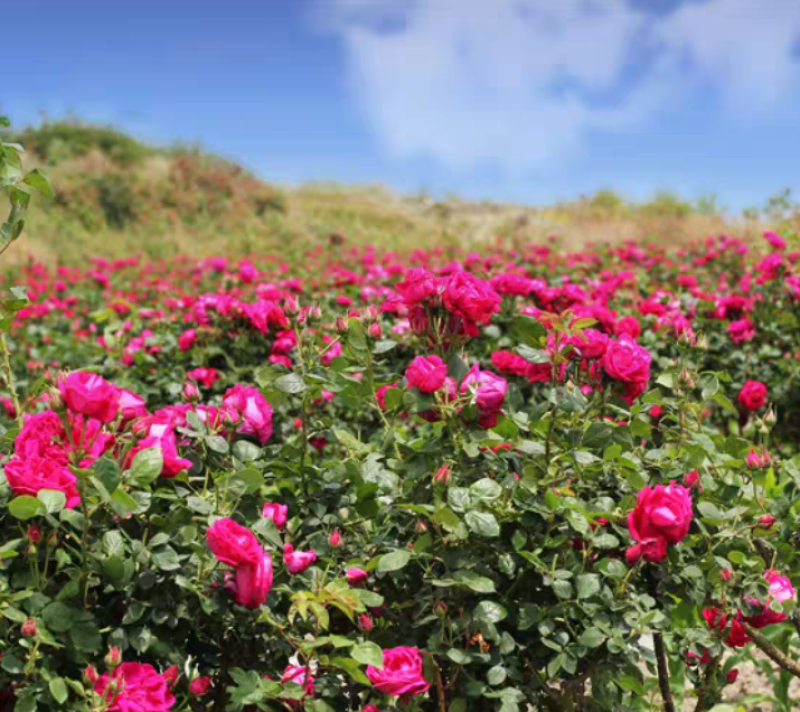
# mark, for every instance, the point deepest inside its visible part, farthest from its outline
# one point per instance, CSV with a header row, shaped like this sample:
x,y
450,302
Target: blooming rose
x,y
162,437
186,339
780,587
624,360
418,286
278,513
470,298
299,675
252,581
255,411
132,405
489,388
590,343
232,543
297,561
508,362
29,475
628,325
662,516
91,395
138,688
753,395
401,673
204,376
426,373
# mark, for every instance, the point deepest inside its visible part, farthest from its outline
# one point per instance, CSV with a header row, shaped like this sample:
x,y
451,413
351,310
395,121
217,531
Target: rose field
x,y
505,478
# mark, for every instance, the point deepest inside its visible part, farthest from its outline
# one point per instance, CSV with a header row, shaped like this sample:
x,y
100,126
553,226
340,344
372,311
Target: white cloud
x,y
520,83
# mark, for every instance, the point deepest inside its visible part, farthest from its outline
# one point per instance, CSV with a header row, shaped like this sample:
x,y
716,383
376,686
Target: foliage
x,y
459,438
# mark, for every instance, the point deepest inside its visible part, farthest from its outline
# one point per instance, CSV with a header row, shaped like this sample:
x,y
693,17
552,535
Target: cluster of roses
x,y
95,416
467,301
428,374
731,628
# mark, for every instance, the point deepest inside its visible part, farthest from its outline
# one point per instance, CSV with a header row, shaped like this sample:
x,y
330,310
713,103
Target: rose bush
x,y
448,481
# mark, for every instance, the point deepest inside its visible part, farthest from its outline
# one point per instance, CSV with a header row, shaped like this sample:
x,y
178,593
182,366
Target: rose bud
x,y
765,521
342,325
726,574
113,657
374,330
191,393
442,475
90,674
199,686
356,577
691,479
365,622
34,534
732,675
335,539
421,527
440,608
171,675
29,628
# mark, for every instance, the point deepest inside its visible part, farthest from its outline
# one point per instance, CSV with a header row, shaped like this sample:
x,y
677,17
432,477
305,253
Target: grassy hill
x,y
117,196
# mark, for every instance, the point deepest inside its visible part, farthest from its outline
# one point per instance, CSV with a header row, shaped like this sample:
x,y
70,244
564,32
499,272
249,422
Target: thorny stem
x,y
703,693
772,651
661,655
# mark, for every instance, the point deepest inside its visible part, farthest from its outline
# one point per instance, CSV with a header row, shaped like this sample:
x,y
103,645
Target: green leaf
x,y
25,507
147,466
290,383
483,524
107,471
394,561
490,611
592,638
485,490
474,582
709,510
588,585
368,653
39,182
58,689
563,589
53,500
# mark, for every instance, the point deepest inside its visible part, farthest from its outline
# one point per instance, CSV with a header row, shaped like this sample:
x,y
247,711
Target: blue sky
x,y
522,100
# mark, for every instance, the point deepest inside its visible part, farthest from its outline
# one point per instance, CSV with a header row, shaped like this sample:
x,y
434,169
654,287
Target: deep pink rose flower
x,y
278,513
297,561
628,325
753,395
162,437
91,395
200,685
662,516
299,675
418,286
471,298
489,389
139,688
187,339
426,373
131,404
30,475
590,343
255,412
626,361
356,577
401,673
252,581
780,587
232,543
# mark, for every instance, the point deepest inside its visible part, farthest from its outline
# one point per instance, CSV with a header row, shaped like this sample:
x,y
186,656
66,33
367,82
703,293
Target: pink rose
x,y
200,685
780,587
753,395
256,413
590,343
489,389
252,581
470,298
137,688
131,404
401,673
297,561
418,286
426,373
162,437
91,395
29,475
356,577
626,361
299,675
204,376
662,516
278,513
187,339
232,543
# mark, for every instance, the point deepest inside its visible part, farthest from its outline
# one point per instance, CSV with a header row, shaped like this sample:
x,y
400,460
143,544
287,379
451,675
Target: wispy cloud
x,y
519,84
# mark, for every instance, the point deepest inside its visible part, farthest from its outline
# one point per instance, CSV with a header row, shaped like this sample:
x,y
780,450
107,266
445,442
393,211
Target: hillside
x,y
116,195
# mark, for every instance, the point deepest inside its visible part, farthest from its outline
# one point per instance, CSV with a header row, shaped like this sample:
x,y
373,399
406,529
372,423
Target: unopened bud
x,y
442,475
191,393
29,629
374,330
90,674
113,658
770,418
421,527
171,675
335,539
291,306
440,609
765,521
342,325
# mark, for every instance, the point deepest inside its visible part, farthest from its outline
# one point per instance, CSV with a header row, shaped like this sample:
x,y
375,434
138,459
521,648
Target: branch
x,y
705,687
663,673
772,651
